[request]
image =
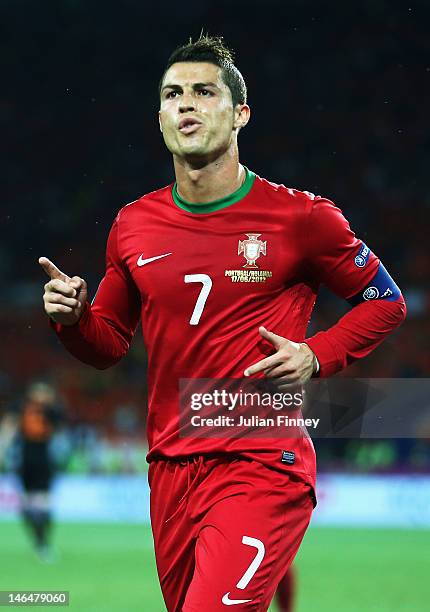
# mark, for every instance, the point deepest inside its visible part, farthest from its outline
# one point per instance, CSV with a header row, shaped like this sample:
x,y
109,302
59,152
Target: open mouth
x,y
188,126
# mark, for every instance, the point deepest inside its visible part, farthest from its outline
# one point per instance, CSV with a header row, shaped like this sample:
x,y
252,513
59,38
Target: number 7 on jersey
x,y
203,295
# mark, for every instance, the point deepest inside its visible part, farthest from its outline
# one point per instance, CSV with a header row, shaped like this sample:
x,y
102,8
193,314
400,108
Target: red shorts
x,y
225,531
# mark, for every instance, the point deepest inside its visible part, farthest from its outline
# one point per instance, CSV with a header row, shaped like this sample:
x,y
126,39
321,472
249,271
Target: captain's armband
x,y
381,287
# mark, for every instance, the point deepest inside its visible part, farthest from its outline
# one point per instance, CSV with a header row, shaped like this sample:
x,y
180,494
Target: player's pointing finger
x,y
51,269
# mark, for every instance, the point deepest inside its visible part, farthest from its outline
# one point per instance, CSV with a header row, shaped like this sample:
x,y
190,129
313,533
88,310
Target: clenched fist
x,y
64,297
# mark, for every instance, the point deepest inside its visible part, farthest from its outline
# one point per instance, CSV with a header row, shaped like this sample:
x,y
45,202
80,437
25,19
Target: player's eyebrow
x,y
200,85
176,87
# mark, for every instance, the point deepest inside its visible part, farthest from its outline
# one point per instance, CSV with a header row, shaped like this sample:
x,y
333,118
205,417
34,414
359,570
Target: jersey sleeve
x,y
334,255
104,332
338,259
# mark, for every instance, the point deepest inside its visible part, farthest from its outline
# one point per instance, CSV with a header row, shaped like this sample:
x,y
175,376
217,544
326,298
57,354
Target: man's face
x,y
196,111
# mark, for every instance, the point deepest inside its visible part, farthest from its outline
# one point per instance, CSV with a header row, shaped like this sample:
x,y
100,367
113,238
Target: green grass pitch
x,y
111,568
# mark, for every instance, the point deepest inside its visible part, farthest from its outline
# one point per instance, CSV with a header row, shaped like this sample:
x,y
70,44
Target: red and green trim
x,y
209,207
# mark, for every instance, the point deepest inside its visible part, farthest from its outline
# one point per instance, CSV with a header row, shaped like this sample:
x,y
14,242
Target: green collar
x,y
216,204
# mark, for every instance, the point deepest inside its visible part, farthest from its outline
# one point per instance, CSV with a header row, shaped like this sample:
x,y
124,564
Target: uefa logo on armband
x,y
362,257
371,293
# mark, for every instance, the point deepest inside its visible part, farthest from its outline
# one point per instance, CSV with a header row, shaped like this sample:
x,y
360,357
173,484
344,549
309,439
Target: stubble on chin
x,y
192,147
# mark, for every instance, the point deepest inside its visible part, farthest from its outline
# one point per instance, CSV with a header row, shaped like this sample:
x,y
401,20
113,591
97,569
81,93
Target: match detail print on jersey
x,y
250,249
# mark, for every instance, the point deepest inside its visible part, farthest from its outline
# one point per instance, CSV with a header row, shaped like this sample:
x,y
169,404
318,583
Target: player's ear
x,y
242,114
159,121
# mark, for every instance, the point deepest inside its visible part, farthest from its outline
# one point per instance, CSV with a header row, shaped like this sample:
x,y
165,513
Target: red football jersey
x,y
203,278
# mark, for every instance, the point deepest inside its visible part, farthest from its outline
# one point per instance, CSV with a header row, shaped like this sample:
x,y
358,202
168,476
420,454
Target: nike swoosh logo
x,y
233,602
143,262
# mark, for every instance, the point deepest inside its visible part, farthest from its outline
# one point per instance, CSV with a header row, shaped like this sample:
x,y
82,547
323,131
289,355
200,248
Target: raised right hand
x,y
64,297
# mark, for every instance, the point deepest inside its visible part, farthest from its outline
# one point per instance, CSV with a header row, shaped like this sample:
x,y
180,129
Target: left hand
x,y
292,365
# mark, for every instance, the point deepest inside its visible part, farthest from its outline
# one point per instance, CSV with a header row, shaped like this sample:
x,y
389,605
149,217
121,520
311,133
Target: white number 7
x,y
203,295
258,544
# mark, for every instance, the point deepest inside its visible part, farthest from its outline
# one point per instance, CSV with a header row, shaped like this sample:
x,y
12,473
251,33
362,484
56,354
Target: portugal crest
x,y
252,249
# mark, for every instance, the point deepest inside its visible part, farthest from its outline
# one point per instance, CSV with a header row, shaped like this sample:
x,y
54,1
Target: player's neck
x,y
214,181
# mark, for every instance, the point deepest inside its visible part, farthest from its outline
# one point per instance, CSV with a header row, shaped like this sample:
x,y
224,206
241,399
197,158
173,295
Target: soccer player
x,y
219,266
39,416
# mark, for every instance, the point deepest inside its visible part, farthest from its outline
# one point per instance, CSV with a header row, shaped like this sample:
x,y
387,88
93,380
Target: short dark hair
x,y
211,49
